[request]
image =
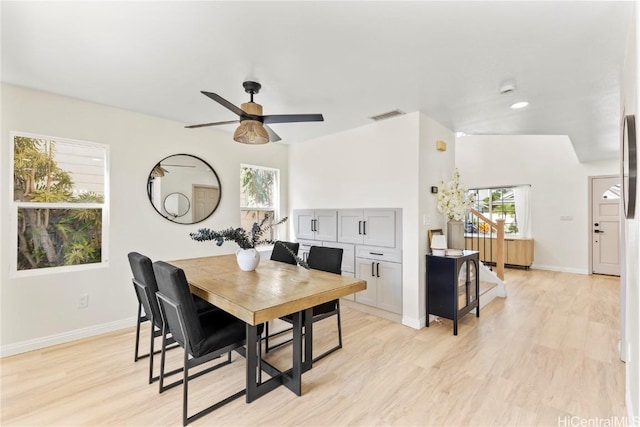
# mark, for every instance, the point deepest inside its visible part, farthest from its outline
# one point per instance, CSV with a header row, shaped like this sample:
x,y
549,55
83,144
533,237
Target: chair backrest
x,y
180,311
325,259
280,252
142,270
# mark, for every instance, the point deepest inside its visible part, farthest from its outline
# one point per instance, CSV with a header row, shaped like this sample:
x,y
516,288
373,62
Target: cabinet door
x,y
302,224
350,226
326,225
379,228
520,252
365,270
389,289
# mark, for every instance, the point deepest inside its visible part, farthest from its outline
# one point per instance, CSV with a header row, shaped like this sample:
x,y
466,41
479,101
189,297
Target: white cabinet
x,y
384,284
373,227
371,240
315,224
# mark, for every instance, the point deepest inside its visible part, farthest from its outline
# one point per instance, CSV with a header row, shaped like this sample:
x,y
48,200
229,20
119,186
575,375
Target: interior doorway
x,y
205,198
605,225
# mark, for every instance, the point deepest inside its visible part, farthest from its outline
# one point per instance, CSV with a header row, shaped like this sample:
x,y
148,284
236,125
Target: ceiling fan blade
x,y
273,137
290,118
220,100
212,124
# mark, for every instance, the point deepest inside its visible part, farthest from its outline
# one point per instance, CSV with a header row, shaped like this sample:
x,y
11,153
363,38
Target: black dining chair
x,y
145,286
203,337
329,260
282,252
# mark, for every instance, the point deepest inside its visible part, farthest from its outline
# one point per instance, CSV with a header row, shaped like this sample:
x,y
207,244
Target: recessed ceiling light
x,y
518,105
460,134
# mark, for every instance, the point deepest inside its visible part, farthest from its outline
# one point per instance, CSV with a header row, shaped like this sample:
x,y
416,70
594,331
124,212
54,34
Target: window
x,y
59,203
259,195
508,203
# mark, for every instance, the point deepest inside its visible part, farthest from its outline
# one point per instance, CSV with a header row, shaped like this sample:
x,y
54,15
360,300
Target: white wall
x,y
631,252
559,187
42,310
376,166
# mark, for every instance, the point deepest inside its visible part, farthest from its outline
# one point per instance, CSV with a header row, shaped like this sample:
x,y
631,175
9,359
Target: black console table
x,y
453,286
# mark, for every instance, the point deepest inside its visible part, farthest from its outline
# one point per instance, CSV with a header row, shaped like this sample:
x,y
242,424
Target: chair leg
x,y
185,387
151,349
339,346
136,357
162,359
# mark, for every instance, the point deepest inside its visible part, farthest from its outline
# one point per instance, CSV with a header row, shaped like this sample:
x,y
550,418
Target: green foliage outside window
x,y
257,186
497,203
52,236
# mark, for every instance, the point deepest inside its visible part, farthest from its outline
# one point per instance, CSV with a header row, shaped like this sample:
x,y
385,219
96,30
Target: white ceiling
x,y
347,60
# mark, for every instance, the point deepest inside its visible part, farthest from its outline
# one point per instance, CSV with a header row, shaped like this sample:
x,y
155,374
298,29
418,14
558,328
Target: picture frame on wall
x,y
431,233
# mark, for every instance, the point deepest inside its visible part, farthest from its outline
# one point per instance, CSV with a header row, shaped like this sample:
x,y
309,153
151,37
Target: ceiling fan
x,y
253,129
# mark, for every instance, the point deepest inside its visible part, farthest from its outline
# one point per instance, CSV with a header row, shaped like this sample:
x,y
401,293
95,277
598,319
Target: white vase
x,y
248,259
455,235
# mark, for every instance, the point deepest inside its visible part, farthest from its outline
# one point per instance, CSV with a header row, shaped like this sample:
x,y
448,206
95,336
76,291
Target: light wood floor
x,y
547,351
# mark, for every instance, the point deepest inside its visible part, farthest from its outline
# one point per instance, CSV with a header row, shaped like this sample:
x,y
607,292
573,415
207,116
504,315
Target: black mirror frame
x,y
149,189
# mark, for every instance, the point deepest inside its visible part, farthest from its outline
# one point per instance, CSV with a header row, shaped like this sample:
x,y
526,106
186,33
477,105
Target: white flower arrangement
x,y
453,200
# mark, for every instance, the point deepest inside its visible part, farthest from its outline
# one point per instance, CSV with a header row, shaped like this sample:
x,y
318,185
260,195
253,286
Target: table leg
x,y
302,359
308,340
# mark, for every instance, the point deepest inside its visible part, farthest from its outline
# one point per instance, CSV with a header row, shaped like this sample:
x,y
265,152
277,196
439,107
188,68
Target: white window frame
x,y
490,214
15,205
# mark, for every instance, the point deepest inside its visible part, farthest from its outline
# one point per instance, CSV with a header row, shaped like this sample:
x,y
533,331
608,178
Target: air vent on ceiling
x,y
387,115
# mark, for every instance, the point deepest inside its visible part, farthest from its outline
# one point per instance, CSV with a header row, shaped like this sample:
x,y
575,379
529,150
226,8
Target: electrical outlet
x,y
83,301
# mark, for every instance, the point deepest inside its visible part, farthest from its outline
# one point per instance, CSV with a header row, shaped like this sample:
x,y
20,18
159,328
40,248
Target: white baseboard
x,y
560,269
414,323
37,343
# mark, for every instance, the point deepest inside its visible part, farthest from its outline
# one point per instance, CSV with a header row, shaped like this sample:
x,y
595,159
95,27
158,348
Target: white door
x,y
205,199
605,230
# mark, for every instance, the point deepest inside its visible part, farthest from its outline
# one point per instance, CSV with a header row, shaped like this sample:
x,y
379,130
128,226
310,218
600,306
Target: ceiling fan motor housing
x,y
251,87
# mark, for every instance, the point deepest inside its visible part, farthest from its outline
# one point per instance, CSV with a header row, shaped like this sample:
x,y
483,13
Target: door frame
x,y
590,218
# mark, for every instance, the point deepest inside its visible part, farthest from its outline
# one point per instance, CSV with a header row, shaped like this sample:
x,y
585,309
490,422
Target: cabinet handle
x,y
376,253
377,269
372,271
359,227
364,227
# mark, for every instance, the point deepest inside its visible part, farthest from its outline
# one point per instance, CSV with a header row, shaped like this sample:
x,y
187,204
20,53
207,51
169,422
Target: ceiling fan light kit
x,y
251,132
252,129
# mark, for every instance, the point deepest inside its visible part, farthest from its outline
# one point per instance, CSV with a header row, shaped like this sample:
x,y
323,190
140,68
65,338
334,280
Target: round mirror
x,y
176,205
184,189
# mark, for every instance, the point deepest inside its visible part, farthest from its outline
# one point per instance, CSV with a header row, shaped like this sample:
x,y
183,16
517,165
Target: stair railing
x,y
482,232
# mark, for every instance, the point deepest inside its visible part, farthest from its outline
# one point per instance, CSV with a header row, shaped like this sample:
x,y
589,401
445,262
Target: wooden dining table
x,y
274,289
